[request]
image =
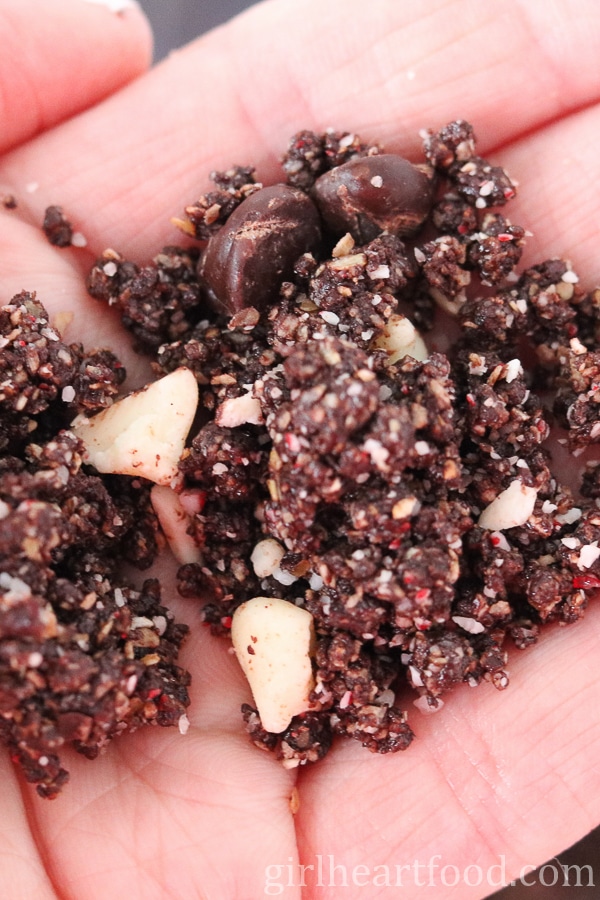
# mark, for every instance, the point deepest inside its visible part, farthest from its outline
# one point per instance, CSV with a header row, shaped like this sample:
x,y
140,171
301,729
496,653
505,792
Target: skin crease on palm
x,y
203,815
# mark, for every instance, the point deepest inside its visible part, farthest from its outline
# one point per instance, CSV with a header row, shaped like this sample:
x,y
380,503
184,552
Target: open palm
x,y
492,779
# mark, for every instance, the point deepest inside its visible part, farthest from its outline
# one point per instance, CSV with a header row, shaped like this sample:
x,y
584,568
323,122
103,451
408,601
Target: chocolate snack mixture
x,y
418,518
409,491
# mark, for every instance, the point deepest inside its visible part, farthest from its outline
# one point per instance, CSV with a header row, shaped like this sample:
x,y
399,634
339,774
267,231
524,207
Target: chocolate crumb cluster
x,y
410,494
83,655
395,483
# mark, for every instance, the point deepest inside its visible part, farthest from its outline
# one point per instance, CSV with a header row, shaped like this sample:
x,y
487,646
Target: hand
x,y
490,776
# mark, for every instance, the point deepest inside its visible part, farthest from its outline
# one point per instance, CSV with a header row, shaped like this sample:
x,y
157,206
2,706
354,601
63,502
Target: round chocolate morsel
x,y
372,194
246,261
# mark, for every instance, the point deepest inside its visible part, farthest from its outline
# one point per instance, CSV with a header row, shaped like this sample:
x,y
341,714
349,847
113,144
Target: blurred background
x,y
175,22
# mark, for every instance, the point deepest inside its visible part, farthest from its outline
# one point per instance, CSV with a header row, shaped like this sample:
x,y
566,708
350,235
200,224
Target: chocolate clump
x,y
57,227
369,195
247,260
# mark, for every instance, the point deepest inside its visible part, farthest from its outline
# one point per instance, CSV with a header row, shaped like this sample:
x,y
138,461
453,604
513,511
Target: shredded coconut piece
x,y
183,723
570,277
346,700
415,676
380,272
513,369
572,515
239,411
376,451
469,624
16,589
588,555
78,239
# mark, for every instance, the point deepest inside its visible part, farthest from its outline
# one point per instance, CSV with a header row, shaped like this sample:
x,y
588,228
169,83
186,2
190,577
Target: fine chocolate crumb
x,y
57,227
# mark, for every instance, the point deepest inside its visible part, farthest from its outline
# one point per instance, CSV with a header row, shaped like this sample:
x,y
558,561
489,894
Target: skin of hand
x,y
491,778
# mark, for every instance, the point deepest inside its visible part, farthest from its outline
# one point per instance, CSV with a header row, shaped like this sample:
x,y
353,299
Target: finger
x,y
559,192
490,778
219,687
166,814
242,90
54,64
23,872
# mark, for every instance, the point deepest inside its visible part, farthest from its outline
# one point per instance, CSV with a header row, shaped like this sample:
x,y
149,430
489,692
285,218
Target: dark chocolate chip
x,y
247,260
377,193
57,227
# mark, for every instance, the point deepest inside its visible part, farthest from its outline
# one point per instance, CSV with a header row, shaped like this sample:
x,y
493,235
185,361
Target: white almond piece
x,y
175,522
143,434
510,508
273,641
266,557
400,338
